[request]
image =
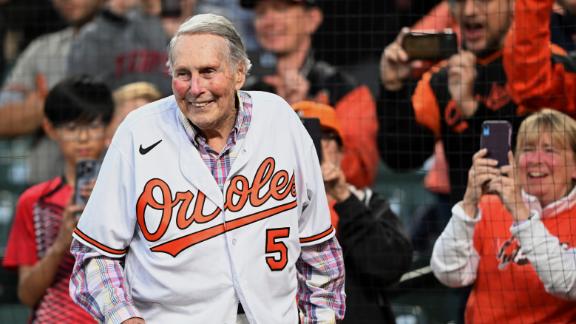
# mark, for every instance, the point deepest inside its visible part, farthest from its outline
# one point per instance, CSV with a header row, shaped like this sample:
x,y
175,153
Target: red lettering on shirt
x,y
267,184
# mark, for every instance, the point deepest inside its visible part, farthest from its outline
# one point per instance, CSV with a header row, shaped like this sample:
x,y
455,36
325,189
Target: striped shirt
x,y
99,286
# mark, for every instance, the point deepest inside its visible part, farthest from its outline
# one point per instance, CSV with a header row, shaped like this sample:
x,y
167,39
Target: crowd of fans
x,y
506,233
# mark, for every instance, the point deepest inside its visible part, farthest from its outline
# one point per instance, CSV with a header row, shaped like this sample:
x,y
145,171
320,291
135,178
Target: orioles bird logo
x,y
511,251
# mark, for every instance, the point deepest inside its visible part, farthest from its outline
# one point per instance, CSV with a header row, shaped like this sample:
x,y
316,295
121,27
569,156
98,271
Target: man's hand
x,y
335,181
394,64
290,85
461,79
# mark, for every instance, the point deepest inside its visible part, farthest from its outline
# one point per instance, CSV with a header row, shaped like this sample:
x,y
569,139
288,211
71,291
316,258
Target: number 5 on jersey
x,y
275,246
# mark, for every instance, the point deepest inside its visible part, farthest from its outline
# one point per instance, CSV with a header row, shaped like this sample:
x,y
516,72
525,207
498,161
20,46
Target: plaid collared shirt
x,y
99,286
220,163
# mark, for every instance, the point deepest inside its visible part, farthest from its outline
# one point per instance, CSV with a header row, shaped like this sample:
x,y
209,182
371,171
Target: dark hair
x,y
79,99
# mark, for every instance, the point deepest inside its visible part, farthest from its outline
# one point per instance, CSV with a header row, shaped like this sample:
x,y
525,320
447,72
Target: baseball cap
x,y
325,113
252,3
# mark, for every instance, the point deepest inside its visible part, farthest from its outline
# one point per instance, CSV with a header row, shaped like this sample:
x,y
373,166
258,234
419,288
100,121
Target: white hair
x,y
214,25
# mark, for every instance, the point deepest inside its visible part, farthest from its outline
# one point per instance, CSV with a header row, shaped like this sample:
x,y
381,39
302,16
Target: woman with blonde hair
x,y
513,234
128,98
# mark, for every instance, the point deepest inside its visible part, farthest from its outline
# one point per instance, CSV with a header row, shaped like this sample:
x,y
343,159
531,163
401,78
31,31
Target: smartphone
x,y
170,8
433,46
263,62
313,127
86,171
496,137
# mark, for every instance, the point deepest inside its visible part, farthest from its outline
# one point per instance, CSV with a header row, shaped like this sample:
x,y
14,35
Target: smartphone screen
x,y
430,45
496,138
86,171
313,127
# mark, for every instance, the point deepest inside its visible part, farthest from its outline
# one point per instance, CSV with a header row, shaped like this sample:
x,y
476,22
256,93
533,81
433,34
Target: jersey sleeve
x,y
539,73
107,223
314,222
21,247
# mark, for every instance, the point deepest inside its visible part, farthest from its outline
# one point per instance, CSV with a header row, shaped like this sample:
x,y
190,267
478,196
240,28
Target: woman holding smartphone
x,y
513,236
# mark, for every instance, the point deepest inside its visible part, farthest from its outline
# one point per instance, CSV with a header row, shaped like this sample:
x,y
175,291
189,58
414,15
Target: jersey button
x,y
233,241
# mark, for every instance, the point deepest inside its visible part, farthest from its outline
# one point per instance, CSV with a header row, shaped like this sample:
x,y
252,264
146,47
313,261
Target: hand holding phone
x,y
496,138
86,173
434,46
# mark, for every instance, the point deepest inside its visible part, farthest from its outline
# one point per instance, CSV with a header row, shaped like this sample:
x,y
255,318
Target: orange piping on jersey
x,y
425,105
174,247
490,58
99,245
317,236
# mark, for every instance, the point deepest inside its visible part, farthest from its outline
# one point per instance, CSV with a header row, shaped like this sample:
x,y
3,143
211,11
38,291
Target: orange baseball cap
x,y
325,113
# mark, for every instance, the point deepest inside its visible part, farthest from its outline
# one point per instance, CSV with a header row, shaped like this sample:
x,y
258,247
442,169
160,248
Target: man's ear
x,y
315,18
49,129
240,75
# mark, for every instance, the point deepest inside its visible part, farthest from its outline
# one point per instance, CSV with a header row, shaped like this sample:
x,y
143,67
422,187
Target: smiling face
x,y
205,81
78,141
283,27
546,165
484,23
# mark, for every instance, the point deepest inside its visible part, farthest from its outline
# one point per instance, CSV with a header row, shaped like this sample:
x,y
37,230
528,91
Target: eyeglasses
x,y
74,131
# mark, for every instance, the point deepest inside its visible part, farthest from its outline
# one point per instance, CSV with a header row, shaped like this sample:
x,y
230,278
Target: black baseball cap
x,y
252,3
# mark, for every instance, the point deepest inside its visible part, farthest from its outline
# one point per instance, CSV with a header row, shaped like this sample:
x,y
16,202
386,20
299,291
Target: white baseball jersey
x,y
193,251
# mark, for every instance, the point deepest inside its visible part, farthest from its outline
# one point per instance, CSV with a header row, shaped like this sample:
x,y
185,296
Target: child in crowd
x,y
77,112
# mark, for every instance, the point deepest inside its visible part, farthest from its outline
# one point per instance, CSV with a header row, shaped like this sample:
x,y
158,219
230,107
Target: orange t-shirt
x,y
507,288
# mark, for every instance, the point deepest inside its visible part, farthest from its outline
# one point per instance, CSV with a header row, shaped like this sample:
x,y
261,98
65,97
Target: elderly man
x,y
284,29
213,201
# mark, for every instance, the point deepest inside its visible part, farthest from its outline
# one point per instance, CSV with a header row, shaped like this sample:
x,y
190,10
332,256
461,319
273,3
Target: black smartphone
x,y
263,62
86,171
433,46
313,127
170,8
496,137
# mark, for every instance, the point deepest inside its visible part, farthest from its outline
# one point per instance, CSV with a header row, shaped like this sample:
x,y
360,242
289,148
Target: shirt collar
x,y
194,134
554,208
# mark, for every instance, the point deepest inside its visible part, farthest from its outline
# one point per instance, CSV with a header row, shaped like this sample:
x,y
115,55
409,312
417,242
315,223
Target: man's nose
x,y
83,134
196,85
469,7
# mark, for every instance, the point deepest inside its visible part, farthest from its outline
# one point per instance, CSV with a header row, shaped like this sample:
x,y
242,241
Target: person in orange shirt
x,y
512,234
376,250
452,99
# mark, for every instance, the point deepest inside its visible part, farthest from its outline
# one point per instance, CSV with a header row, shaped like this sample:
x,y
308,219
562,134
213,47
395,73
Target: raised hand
x,y
461,78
